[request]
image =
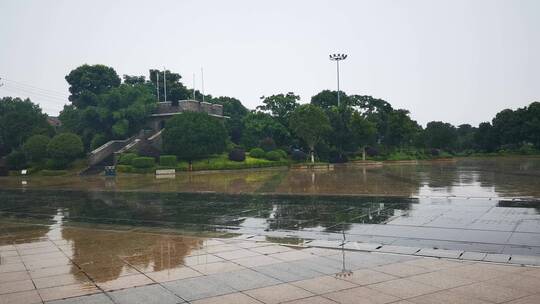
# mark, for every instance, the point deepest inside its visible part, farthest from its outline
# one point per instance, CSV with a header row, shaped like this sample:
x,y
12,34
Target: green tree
x,y
486,138
259,125
401,130
280,106
176,90
465,137
363,132
531,127
19,119
193,136
440,135
327,99
64,148
35,148
88,81
116,114
508,125
310,124
234,109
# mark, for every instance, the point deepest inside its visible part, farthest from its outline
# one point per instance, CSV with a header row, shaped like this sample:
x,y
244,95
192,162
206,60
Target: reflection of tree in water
x,y
104,254
353,180
208,212
332,213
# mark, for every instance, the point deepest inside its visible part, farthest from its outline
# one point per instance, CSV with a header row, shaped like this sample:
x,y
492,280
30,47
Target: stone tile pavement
x,y
255,271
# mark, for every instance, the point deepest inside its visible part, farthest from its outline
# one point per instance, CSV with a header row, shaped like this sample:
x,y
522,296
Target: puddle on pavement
x,y
104,229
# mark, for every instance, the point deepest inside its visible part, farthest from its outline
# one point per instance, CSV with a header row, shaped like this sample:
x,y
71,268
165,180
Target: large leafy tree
x,y
327,99
234,109
280,106
440,135
310,124
88,81
193,136
259,126
35,147
401,130
176,90
115,111
531,127
465,137
19,119
363,132
486,138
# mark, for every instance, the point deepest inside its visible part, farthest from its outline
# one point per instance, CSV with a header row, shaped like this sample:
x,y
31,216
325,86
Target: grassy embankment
x,y
40,170
217,162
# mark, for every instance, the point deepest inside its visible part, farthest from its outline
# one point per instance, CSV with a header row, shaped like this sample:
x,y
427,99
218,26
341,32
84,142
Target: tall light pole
x,y
337,58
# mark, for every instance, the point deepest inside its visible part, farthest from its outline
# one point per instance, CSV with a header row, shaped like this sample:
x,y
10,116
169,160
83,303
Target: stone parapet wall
x,y
189,106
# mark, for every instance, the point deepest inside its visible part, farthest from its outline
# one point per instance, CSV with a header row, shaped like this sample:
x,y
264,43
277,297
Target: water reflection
x,y
203,212
489,177
106,255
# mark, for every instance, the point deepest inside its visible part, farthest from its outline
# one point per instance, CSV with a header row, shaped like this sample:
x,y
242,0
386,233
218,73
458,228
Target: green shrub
x,y
56,164
257,153
65,146
143,162
267,144
282,153
124,168
35,147
237,155
16,160
127,158
167,160
53,172
273,155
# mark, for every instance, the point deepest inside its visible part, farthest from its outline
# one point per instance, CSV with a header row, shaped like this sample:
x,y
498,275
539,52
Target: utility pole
x,y
337,58
202,83
164,84
157,84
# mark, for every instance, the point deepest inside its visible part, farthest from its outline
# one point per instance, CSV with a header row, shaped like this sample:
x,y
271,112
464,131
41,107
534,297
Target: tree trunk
x,y
364,153
190,166
312,155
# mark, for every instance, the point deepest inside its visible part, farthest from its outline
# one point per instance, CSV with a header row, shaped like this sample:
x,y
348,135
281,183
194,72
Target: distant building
x,y
166,110
54,121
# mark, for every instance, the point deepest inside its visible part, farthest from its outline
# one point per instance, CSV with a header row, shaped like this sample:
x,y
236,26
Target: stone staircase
x,y
107,154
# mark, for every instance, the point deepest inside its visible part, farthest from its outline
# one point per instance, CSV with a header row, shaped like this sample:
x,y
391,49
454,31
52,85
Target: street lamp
x,y
337,58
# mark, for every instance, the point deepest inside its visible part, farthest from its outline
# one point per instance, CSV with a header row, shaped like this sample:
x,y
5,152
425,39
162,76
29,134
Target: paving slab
x,y
473,256
198,288
99,298
497,257
440,253
151,294
245,279
525,260
398,249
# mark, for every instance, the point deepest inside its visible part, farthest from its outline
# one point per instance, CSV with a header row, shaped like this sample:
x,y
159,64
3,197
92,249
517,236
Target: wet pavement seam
x,y
28,272
83,271
155,282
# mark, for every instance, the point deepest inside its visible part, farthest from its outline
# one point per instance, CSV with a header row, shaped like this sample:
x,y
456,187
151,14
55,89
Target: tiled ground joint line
x,y
27,271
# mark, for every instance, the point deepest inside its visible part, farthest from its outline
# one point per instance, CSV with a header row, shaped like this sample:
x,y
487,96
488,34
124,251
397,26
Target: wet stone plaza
x,y
465,231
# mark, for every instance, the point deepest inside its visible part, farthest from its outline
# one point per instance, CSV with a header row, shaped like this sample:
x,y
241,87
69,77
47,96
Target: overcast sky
x,y
456,61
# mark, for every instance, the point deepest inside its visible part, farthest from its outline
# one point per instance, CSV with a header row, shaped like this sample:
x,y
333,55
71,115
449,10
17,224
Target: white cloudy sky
x,y
457,61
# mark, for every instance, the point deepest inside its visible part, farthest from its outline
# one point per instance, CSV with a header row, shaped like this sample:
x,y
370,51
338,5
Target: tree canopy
x,y
310,124
192,136
19,119
88,81
280,106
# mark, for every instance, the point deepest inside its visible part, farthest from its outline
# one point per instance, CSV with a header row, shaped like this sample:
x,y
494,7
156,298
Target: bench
x,y
165,172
